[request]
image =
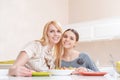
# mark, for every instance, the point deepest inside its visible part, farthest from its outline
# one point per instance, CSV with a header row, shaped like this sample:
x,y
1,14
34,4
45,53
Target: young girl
x,y
73,58
39,55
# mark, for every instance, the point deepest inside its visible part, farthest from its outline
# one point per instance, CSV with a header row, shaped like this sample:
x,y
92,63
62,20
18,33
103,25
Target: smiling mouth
x,y
56,38
66,43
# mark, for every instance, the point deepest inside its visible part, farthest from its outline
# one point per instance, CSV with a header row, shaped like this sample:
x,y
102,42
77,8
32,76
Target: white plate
x,y
61,72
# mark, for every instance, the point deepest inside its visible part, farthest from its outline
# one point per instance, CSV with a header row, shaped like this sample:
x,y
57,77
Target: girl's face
x,y
54,34
68,39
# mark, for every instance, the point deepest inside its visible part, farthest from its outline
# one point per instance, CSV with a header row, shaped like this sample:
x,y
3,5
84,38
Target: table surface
x,y
4,76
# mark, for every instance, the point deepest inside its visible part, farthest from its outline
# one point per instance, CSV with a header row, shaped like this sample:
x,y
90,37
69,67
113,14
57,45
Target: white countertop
x,y
5,66
4,76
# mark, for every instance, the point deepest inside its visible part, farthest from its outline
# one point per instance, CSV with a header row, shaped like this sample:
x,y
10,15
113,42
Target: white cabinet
x,y
100,29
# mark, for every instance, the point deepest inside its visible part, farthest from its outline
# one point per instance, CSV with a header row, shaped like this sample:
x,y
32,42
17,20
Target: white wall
x,y
108,28
22,21
86,10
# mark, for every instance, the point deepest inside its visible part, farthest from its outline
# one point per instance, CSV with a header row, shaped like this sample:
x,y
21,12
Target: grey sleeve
x,y
90,63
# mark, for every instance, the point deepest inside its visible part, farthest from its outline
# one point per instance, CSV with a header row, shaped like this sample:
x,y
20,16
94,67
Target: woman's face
x,y
68,39
54,35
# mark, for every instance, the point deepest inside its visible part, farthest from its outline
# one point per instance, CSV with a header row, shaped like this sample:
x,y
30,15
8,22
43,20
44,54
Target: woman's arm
x,y
18,68
90,64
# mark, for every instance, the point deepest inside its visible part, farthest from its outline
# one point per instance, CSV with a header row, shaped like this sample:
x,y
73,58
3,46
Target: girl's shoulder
x,y
83,54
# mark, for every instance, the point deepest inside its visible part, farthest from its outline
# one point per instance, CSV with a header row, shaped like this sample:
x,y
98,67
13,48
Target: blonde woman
x,y
39,55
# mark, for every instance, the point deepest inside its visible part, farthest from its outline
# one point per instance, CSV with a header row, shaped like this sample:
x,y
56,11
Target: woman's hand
x,y
18,68
20,71
80,69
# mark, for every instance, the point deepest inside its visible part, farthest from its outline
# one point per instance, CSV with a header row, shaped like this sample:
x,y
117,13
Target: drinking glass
x,y
117,67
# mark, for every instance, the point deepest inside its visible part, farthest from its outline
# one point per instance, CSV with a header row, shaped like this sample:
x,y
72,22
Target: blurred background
x,y
22,21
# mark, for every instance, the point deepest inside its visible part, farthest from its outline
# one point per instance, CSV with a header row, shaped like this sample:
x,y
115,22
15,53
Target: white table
x,y
4,76
5,66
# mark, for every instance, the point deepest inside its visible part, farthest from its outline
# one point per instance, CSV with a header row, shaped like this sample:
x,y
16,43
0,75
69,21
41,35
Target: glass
x,y
117,67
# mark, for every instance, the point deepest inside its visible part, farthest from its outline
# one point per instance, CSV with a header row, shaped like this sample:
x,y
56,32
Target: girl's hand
x,y
80,69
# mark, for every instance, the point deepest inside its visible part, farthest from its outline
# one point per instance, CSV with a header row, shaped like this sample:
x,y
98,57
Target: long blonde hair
x,y
44,40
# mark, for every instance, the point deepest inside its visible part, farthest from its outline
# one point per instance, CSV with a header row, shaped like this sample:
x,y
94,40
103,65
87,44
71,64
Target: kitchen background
x,y
22,21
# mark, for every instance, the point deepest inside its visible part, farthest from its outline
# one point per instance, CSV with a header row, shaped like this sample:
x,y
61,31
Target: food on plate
x,y
62,71
65,68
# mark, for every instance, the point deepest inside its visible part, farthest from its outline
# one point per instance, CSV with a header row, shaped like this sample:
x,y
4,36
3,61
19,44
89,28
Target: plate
x,y
93,73
61,72
41,73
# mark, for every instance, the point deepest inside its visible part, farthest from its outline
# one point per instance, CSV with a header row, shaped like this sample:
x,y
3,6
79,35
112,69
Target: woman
x,y
73,58
39,55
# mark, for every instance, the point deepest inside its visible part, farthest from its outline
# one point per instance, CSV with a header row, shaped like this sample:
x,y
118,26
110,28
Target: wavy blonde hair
x,y
45,41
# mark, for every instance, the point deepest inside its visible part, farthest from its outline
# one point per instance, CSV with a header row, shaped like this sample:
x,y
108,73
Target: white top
x,y
40,58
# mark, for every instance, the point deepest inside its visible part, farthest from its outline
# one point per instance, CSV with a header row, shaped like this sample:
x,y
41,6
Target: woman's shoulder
x,y
83,54
33,43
